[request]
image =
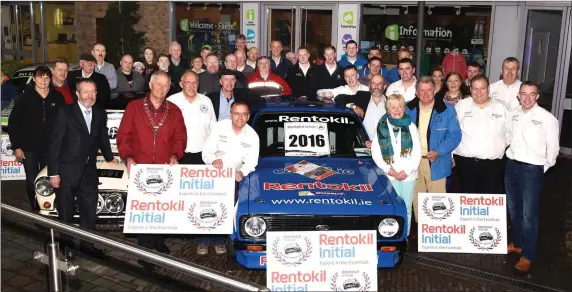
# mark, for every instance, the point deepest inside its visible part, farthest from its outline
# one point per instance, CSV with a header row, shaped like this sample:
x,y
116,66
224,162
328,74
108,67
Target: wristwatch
x,y
351,105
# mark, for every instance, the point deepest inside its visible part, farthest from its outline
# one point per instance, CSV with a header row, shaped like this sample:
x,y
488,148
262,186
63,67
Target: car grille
x,y
310,223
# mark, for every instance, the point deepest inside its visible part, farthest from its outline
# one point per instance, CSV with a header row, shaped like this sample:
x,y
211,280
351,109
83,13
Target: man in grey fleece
x,y
103,67
209,80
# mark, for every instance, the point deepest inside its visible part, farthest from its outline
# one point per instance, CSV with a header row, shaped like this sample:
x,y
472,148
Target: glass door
x,y
316,30
282,27
565,90
16,32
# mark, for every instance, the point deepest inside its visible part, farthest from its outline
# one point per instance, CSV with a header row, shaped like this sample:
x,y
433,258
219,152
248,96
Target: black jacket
x,y
103,90
281,68
321,79
361,99
176,72
253,101
31,119
208,82
299,83
72,149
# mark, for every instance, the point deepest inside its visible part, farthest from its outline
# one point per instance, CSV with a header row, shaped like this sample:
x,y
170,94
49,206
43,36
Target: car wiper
x,y
340,154
282,151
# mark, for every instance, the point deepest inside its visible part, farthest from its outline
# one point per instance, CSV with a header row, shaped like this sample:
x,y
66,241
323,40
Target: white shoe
x,y
202,249
220,249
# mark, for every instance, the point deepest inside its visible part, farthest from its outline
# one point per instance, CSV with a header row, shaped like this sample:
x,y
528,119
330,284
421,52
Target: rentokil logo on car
x,y
462,223
180,199
321,261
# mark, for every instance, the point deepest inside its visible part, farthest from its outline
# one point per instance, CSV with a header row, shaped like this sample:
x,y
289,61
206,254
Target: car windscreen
x,y
311,134
20,79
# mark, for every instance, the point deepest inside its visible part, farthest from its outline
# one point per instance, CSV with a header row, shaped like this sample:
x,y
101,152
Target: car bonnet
x,y
357,188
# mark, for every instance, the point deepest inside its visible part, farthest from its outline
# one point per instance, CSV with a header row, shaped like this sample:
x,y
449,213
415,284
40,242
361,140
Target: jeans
x,y
215,240
405,191
523,183
34,162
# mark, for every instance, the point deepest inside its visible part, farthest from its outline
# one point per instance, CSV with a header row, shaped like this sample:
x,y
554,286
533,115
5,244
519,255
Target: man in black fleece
x,y
209,80
177,66
87,64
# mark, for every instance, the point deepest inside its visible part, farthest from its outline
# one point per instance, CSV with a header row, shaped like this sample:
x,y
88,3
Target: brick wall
x,y
154,22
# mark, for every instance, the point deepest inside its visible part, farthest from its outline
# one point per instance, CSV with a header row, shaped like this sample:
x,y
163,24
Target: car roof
x,y
290,104
72,66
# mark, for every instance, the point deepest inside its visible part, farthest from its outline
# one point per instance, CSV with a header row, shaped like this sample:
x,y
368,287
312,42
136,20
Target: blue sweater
x,y
360,63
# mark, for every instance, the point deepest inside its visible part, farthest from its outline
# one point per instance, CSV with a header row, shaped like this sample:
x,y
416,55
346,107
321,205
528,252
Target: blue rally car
x,y
314,173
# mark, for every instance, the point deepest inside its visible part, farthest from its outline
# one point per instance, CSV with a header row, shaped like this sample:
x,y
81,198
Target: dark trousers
x,y
85,196
523,184
192,158
34,162
480,176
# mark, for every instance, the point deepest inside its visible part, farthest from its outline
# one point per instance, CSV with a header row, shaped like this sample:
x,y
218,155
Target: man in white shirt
x,y
367,105
534,147
233,143
252,57
198,114
507,89
479,157
103,67
406,86
351,76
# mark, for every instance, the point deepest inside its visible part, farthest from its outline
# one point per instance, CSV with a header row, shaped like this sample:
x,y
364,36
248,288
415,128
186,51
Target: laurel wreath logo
x,y
164,186
302,258
477,243
201,226
431,214
366,285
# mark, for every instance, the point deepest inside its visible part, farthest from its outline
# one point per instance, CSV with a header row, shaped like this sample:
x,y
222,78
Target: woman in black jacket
x,y
29,125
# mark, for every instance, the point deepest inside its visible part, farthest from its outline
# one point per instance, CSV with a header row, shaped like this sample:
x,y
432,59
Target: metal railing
x,y
170,262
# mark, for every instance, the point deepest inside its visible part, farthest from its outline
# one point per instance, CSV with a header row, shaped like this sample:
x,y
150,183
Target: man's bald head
x,y
126,64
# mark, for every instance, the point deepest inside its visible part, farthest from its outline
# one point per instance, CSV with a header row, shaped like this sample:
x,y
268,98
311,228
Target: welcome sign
x,y
322,261
462,223
180,199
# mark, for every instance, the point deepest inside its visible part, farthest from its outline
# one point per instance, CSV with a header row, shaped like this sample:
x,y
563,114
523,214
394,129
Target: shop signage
x,y
348,25
250,20
321,260
394,32
180,199
462,223
10,168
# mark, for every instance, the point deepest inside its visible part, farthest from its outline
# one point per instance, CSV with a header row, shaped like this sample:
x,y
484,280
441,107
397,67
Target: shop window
x,y
216,25
60,29
445,32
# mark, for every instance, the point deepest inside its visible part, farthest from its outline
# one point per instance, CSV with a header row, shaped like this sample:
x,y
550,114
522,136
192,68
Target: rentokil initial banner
x,y
10,168
180,199
250,22
322,261
462,223
348,26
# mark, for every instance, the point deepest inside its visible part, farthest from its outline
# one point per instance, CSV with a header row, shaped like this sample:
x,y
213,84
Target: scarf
x,y
384,138
452,100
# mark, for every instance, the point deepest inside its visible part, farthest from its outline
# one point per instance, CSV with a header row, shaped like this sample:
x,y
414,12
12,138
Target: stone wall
x,y
154,22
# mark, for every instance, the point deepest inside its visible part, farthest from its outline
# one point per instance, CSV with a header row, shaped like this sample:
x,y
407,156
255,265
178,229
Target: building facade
x,y
539,34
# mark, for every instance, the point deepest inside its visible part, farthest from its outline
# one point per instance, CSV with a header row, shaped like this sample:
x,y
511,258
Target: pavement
x,y
420,271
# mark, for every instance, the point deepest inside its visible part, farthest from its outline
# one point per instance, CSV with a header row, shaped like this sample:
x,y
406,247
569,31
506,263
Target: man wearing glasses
x,y
232,143
223,98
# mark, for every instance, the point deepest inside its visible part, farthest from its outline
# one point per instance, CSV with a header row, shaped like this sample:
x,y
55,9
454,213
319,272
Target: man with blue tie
x,y
79,130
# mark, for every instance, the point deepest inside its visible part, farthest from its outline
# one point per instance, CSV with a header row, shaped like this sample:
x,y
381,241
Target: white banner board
x,y
250,24
462,223
180,199
348,26
10,169
322,261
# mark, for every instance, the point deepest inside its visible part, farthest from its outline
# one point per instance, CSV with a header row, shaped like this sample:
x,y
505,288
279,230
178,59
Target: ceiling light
x,y
406,9
429,12
458,10
383,11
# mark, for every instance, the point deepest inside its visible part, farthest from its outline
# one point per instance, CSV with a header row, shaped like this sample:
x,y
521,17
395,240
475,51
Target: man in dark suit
x,y
278,64
328,75
222,99
299,75
87,64
78,131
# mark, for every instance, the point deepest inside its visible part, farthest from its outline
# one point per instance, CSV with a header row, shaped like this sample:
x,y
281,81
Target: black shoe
x,y
94,252
147,266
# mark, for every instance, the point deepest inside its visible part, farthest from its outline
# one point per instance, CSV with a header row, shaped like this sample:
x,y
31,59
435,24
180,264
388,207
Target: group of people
x,y
494,137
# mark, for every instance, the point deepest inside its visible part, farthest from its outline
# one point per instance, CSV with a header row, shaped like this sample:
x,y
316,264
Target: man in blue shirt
x,y
353,58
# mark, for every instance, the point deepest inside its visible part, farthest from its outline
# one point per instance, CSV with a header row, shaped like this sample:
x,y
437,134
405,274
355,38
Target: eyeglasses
x,y
242,115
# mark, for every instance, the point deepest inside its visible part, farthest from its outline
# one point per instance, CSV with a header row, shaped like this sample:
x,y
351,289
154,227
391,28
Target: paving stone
x,y
86,276
124,277
103,282
140,282
20,281
36,286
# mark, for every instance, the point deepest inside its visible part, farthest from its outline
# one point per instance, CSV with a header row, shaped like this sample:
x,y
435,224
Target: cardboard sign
x,y
180,199
321,261
10,168
306,138
462,223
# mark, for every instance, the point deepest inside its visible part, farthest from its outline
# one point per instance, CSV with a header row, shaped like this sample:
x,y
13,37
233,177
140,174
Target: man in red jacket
x,y
152,131
263,74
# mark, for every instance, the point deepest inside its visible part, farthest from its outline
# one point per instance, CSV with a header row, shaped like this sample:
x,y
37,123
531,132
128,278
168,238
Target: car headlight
x,y
388,227
114,203
43,186
100,204
255,226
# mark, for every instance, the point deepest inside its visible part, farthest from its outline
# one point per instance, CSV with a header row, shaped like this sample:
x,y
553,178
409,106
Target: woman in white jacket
x,y
396,149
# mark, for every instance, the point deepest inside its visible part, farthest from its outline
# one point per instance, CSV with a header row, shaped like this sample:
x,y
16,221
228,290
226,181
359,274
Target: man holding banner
x,y
152,131
232,142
